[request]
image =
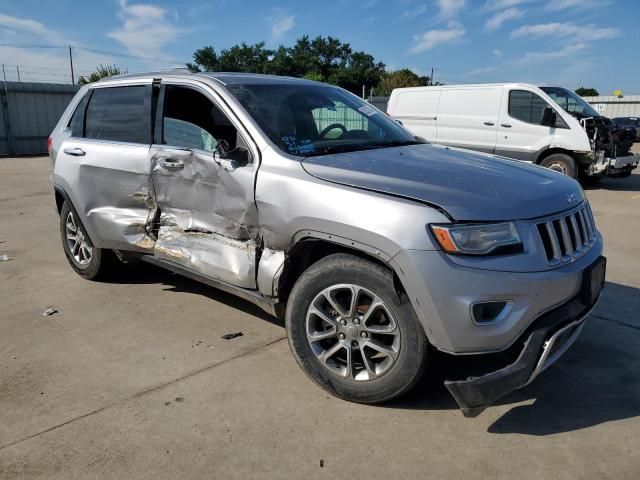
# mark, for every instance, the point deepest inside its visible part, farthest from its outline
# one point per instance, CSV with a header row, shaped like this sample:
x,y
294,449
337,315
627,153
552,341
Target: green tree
x,y
101,72
399,79
325,59
587,92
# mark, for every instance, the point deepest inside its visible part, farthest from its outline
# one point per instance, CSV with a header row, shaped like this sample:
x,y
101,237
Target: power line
x,y
92,50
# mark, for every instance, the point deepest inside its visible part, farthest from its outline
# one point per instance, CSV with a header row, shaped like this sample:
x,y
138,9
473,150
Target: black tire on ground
x,y
101,261
411,359
562,163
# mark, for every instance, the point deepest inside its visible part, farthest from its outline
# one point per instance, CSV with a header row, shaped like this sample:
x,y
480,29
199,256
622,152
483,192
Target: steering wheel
x,y
331,127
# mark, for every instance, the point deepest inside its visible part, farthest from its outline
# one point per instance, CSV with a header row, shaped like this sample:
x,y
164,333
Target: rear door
x,y
207,218
105,161
467,117
520,134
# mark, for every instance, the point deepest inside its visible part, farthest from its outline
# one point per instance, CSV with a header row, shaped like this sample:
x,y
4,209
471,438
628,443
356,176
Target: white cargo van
x,y
550,126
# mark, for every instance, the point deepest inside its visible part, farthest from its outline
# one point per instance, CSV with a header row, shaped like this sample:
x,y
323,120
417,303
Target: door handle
x,y
505,125
489,124
76,152
173,164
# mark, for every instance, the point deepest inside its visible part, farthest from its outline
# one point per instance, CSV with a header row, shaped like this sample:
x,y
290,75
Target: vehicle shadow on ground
x,y
626,184
144,273
596,381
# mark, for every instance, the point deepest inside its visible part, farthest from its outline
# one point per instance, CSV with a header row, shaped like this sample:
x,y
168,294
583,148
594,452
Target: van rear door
x,y
417,109
467,117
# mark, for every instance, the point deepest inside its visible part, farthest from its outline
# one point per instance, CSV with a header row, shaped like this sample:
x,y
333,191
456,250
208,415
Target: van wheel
x,y
352,333
562,163
88,261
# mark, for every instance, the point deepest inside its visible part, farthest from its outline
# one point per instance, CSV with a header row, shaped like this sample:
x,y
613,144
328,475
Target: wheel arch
x,y
313,248
550,151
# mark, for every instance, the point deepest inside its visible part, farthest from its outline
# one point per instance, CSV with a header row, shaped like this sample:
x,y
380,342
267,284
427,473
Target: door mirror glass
x,y
239,155
548,117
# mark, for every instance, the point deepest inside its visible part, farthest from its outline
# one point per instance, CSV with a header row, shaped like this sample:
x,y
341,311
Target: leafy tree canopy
x,y
325,59
587,92
101,72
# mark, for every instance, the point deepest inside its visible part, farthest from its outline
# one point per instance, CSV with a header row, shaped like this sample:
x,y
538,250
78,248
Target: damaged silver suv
x,y
376,248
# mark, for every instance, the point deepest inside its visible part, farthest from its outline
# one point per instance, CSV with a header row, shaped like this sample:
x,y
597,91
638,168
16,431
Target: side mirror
x,y
239,156
548,117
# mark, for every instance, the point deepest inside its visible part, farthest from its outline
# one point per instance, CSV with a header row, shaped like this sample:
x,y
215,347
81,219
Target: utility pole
x,y
432,76
4,75
18,70
73,80
364,92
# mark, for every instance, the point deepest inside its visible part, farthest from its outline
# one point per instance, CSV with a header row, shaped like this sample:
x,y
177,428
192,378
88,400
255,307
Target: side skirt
x,y
265,303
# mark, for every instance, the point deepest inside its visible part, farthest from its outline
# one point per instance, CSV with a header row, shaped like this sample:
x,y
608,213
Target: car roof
x,y
225,78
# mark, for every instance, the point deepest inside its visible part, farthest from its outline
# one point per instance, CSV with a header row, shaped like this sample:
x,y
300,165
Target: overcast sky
x,y
563,42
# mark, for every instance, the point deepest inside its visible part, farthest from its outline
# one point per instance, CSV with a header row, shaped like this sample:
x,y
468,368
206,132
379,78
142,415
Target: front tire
x,y
88,261
352,333
561,163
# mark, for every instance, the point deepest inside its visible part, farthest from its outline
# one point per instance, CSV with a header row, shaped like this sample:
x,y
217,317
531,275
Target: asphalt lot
x,y
131,378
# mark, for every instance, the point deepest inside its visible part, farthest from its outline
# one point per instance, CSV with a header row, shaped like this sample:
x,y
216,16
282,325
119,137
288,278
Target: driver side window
x,y
192,121
526,106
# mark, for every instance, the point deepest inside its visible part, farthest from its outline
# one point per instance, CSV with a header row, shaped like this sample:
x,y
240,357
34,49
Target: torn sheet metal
x,y
194,192
211,254
269,269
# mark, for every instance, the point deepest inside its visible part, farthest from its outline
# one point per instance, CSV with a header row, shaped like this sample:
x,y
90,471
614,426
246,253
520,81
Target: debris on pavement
x,y
4,258
49,311
230,336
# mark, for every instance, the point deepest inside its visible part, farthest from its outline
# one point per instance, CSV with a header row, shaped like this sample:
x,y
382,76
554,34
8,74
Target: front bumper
x,y
613,166
542,344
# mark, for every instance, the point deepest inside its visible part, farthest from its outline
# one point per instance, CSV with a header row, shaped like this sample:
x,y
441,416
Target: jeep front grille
x,y
568,236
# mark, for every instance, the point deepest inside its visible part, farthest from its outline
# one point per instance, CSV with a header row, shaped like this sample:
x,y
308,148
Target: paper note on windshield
x,y
367,110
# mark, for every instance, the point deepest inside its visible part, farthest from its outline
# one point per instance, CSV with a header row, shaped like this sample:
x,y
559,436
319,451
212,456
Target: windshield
x,y
308,120
626,121
571,102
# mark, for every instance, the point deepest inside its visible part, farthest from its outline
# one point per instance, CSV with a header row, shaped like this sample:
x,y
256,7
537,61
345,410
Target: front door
x,y
520,134
206,217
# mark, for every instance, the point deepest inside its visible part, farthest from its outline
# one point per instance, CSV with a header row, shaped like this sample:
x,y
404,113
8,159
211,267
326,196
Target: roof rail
x,y
180,70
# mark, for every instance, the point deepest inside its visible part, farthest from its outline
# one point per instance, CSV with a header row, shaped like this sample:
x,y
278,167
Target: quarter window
x,y
121,114
76,124
191,120
526,106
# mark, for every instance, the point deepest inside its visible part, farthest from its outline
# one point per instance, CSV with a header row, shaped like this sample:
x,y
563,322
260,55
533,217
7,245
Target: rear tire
x,y
561,163
349,306
88,261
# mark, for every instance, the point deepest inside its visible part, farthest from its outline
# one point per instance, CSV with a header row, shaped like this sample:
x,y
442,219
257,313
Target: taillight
x,y
49,145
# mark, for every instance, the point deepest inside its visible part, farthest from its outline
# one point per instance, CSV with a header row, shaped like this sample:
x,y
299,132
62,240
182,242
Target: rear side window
x,y
526,106
121,114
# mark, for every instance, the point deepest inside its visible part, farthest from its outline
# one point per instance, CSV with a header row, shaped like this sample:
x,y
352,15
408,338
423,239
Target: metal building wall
x,y
609,106
28,113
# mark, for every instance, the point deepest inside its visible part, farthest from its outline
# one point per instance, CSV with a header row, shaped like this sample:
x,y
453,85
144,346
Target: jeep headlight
x,y
483,239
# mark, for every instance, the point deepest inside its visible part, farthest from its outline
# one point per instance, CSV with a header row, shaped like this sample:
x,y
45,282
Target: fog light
x,y
484,313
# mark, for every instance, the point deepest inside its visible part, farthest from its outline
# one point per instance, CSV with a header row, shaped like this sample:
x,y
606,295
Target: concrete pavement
x,y
131,378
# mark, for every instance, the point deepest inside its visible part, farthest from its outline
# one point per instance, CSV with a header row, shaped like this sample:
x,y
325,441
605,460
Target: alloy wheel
x,y
352,332
79,245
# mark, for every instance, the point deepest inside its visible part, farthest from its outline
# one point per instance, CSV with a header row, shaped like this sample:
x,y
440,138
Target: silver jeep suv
x,y
376,248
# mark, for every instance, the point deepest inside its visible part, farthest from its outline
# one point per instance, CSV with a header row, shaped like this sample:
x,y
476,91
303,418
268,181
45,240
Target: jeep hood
x,y
469,186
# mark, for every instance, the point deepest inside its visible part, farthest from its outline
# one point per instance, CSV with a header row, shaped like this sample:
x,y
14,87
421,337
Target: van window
x,y
76,123
191,120
121,114
526,106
